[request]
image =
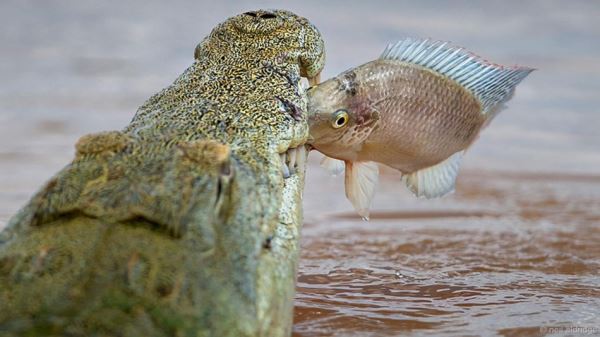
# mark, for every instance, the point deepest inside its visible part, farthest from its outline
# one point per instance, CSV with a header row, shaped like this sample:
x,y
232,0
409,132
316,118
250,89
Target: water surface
x,y
514,252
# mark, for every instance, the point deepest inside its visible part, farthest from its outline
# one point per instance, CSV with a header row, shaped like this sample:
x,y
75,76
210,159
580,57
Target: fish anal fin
x,y
361,180
434,181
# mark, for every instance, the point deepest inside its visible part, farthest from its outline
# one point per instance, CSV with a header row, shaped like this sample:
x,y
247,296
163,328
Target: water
x,y
506,254
514,252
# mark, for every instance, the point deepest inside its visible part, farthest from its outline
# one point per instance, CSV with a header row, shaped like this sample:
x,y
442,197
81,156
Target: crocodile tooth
x,y
301,157
286,171
291,155
284,168
304,85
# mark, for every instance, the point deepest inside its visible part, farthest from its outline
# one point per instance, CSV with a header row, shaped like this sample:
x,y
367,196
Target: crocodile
x,y
186,222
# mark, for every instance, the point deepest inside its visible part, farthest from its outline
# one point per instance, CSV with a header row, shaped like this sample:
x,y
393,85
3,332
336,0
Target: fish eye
x,y
339,119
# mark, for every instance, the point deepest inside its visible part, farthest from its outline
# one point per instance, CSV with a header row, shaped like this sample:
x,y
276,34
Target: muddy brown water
x,y
506,254
514,252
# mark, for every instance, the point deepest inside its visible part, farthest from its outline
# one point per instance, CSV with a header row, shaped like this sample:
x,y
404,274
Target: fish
x,y
417,109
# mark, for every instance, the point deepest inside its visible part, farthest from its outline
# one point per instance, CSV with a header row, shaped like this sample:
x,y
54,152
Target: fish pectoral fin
x,y
333,166
361,179
434,181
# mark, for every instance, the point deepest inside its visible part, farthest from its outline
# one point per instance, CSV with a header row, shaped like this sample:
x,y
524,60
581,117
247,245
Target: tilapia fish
x,y
416,109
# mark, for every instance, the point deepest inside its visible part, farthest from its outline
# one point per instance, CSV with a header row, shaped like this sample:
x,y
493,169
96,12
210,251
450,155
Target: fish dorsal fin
x,y
434,181
361,179
333,166
492,84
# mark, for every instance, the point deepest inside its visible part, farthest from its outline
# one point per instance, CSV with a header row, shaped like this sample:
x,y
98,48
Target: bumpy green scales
x,y
181,224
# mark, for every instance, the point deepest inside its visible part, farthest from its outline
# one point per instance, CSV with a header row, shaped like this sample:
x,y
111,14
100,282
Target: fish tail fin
x,y
492,84
361,179
434,181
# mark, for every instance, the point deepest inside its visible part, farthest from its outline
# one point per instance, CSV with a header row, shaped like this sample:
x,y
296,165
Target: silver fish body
x,y
416,109
423,117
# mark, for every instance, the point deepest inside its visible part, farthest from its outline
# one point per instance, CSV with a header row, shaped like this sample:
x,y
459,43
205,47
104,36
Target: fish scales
x,y
439,115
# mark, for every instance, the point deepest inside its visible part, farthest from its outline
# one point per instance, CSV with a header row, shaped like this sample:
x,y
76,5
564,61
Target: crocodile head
x,y
183,222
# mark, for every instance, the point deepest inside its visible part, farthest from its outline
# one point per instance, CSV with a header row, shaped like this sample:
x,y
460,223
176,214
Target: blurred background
x,y
513,252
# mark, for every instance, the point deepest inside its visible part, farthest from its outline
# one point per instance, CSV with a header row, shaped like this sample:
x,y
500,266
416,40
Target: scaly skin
x,y
181,224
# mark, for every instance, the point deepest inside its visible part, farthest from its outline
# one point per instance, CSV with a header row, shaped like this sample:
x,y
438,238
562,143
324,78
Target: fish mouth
x,y
293,159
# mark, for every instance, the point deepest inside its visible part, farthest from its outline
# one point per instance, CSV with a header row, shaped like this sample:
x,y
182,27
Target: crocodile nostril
x,y
261,14
267,16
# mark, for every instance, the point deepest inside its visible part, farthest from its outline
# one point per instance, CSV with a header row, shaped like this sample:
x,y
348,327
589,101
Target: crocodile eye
x,y
339,119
